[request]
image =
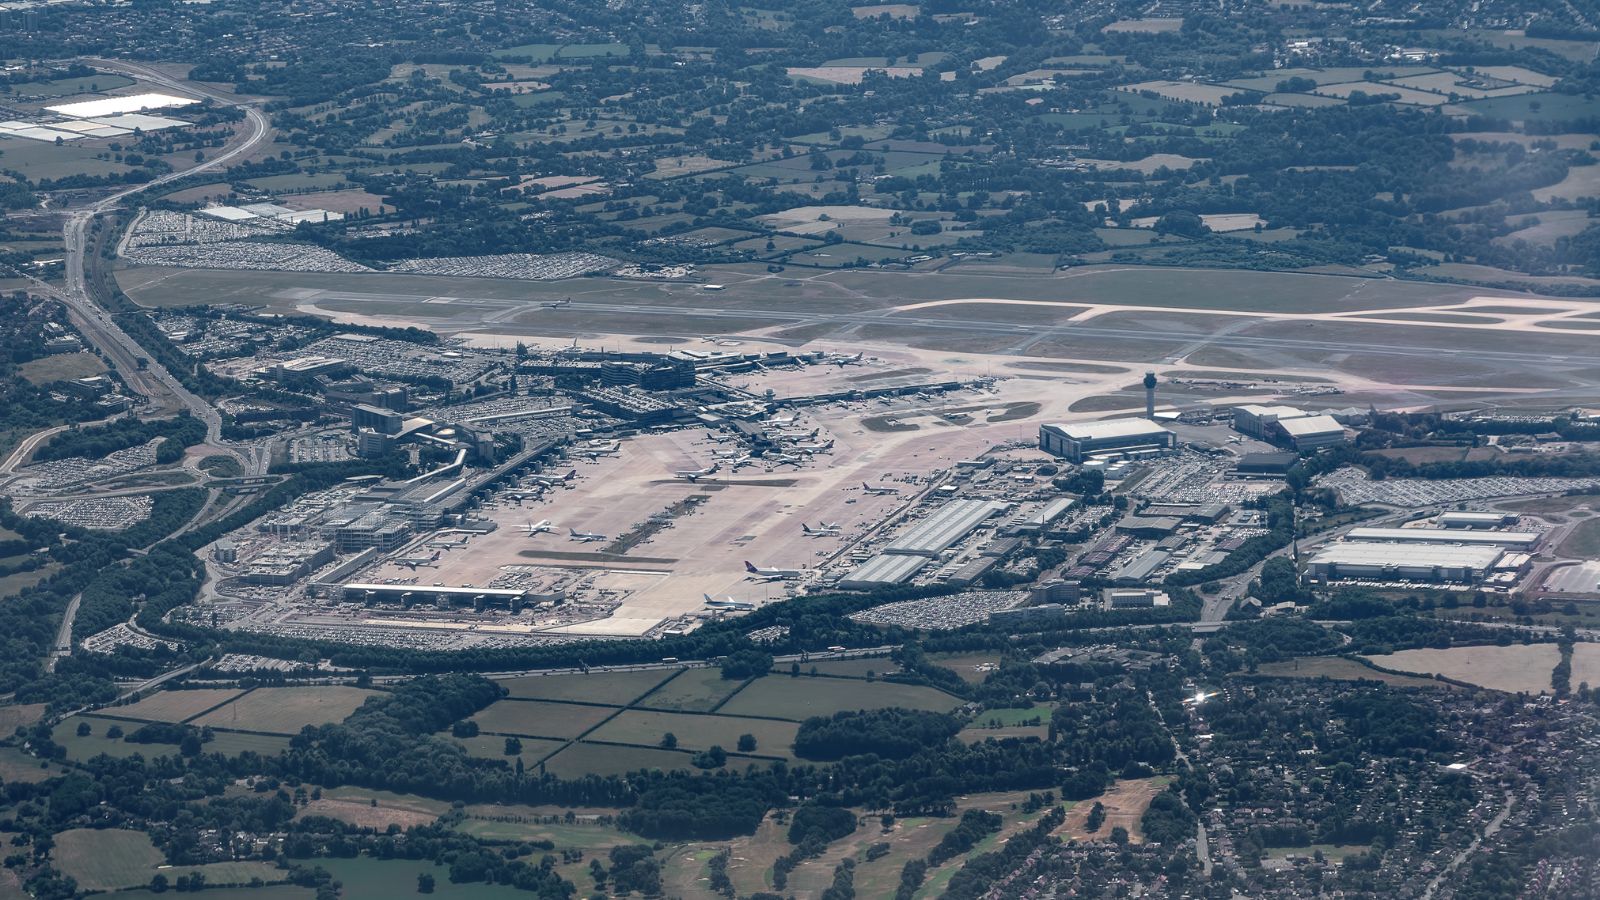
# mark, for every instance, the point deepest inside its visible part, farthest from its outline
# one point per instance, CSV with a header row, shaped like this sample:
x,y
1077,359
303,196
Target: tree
x,y
669,741
425,883
747,743
513,746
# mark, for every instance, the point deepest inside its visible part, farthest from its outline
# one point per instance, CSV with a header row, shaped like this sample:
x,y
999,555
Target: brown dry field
x,y
1125,803
1514,669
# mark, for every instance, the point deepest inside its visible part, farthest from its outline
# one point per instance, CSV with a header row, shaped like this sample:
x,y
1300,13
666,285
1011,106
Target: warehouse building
x,y
1258,421
1510,540
944,528
1365,560
1312,432
883,570
1137,437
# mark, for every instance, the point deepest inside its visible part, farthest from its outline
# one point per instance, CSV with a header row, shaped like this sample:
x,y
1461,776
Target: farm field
x,y
696,732
1584,541
801,698
17,766
1337,668
694,690
604,759
1515,669
537,718
367,808
1585,665
110,859
174,706
286,710
491,746
366,878
606,688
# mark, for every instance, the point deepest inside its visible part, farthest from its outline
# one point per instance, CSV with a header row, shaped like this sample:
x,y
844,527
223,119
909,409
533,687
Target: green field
x,y
1584,541
228,743
174,706
62,367
365,878
270,892
694,690
549,52
536,718
66,87
605,688
491,746
696,732
800,698
109,859
287,710
1545,107
603,759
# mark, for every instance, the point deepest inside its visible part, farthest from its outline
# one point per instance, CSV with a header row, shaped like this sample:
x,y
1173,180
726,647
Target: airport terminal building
x,y
1118,437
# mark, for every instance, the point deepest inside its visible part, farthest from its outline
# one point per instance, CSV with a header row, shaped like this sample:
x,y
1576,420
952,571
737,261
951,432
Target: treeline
x,y
99,441
887,733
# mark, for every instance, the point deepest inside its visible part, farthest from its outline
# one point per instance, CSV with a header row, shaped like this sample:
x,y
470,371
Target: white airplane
x,y
584,536
825,531
842,361
879,489
564,301
412,563
557,480
779,459
697,474
727,603
543,526
766,574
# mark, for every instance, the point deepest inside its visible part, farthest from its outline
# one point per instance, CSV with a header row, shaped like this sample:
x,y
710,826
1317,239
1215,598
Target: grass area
x,y
220,466
493,746
696,732
537,718
1542,107
269,892
61,367
1006,718
1124,802
366,808
17,582
603,759
852,668
495,825
972,667
1583,542
694,690
287,710
549,52
66,87
606,688
800,698
175,706
113,858
19,767
1337,668
1560,504
366,878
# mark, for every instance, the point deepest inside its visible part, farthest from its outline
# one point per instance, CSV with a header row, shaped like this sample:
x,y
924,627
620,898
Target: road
x,y
1492,826
63,644
150,380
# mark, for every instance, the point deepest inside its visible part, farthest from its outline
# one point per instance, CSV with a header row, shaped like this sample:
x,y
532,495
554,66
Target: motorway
x,y
149,379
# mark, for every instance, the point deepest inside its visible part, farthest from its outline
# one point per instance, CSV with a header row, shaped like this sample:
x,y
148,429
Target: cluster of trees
x,y
98,441
886,733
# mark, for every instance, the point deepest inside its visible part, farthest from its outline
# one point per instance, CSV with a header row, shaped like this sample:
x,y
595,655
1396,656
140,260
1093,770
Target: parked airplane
x,y
412,563
825,531
728,603
879,489
766,574
697,474
533,530
584,536
556,480
842,361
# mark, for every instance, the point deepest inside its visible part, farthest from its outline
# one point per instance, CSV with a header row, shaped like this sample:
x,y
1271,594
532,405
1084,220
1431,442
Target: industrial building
x,y
883,570
1475,519
1312,432
1288,425
944,528
1081,441
1511,540
1405,562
